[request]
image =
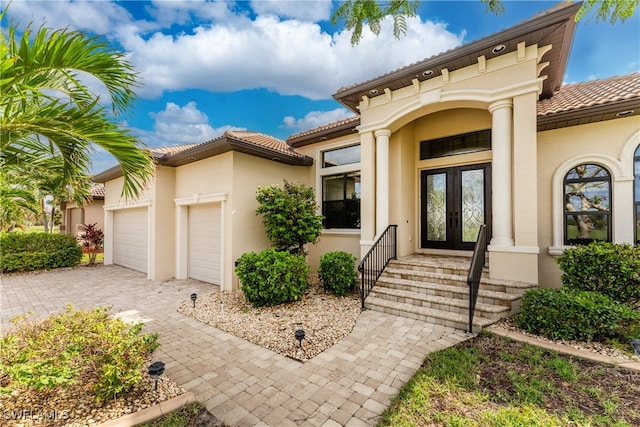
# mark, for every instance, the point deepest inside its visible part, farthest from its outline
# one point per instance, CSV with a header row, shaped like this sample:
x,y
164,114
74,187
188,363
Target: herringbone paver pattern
x,y
349,384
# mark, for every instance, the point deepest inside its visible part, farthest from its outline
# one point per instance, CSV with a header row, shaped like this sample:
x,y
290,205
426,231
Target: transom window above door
x,y
455,145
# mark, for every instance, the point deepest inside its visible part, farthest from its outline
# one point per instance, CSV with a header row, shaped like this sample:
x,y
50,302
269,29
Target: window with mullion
x,y
587,204
636,194
341,200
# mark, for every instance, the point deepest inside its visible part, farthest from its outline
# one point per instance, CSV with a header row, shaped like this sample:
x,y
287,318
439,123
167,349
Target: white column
x,y
502,203
382,179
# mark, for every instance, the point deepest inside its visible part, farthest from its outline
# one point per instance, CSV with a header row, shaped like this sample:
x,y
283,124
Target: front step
x,y
435,289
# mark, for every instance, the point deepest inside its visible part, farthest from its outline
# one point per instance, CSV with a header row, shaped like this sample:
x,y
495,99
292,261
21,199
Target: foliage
x,y
568,314
337,272
609,268
35,251
92,240
355,13
17,198
272,277
289,215
48,112
83,346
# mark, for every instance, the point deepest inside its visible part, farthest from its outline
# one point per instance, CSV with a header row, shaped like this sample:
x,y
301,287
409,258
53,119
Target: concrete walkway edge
x,y
151,413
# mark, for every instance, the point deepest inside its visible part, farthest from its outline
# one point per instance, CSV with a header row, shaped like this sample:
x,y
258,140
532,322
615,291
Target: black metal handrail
x,y
475,271
374,262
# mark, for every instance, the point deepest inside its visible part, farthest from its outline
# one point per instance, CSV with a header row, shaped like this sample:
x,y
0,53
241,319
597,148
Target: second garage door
x,y
130,238
204,247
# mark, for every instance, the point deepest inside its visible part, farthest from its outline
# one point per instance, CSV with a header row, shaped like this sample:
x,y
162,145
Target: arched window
x,y
636,194
587,204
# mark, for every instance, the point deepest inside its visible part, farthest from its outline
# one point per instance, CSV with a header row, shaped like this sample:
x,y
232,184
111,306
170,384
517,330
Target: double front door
x,y
454,203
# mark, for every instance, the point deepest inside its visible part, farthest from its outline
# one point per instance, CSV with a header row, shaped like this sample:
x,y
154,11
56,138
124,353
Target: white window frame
x,y
334,170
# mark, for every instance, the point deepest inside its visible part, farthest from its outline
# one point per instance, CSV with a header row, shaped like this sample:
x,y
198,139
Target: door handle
x,y
455,216
450,219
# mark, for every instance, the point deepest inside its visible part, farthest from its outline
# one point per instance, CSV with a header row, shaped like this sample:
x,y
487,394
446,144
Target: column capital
x,y
503,103
382,132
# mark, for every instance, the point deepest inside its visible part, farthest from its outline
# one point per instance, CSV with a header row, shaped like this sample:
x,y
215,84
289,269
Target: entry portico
x,y
491,87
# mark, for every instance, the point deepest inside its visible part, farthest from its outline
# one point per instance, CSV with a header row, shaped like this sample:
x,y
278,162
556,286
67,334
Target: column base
x,y
513,263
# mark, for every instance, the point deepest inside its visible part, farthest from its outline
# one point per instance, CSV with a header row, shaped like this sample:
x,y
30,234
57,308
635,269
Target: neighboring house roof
x,y
554,26
593,101
253,143
573,104
97,191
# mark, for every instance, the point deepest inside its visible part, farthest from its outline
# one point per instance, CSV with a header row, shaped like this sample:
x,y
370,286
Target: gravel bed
x,y
325,319
594,347
76,406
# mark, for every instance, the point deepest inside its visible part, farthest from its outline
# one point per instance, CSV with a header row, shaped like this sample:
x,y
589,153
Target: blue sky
x,y
272,66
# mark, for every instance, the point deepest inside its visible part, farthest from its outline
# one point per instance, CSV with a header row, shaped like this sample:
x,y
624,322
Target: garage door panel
x,y
204,248
130,238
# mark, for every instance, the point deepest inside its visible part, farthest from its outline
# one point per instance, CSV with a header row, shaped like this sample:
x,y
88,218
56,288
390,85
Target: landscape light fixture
x,y
299,334
155,370
194,297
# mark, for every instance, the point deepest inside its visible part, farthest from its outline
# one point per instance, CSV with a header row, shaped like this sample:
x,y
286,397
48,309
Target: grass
x,y
494,381
85,258
186,416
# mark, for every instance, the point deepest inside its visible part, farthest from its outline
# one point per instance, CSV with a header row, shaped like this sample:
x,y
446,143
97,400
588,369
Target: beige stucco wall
x,y
561,149
162,230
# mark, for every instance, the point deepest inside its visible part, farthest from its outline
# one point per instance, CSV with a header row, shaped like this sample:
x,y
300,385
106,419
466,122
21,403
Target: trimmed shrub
x,y
608,268
36,251
272,277
569,314
337,272
85,346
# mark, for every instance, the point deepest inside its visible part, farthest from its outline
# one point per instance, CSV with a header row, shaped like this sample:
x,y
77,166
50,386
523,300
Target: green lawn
x,y
494,381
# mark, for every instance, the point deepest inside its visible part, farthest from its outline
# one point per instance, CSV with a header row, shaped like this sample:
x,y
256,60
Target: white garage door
x,y
204,243
130,238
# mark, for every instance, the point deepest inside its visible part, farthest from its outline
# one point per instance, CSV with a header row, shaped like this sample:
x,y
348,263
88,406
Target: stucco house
x,y
484,133
75,215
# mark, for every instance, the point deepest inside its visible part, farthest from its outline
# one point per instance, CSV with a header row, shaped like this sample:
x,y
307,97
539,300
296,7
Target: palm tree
x,y
46,109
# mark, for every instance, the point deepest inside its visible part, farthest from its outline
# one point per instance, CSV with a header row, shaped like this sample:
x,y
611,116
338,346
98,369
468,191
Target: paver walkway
x,y
243,384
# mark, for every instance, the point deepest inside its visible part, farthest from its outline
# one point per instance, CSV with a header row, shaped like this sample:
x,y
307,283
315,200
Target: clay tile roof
x,y
171,150
327,127
591,94
265,141
97,191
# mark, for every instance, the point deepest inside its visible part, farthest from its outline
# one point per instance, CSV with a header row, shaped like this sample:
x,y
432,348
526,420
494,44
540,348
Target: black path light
x,y
155,370
194,297
299,334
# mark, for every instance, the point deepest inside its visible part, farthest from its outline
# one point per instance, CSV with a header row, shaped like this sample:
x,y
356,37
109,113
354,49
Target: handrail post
x,y
475,272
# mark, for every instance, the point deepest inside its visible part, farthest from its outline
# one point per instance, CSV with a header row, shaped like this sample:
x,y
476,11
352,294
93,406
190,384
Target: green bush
x,y
37,251
289,215
337,272
272,277
85,346
570,314
608,268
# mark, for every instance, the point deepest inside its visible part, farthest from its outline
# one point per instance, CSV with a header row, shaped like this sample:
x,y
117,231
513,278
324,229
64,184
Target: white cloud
x,y
180,125
315,119
288,57
229,51
304,10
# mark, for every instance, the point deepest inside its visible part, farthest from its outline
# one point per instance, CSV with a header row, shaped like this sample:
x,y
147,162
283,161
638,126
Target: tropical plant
x,y
290,215
16,199
356,13
92,240
48,109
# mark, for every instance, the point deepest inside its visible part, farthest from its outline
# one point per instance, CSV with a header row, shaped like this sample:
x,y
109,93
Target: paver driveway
x,y
241,383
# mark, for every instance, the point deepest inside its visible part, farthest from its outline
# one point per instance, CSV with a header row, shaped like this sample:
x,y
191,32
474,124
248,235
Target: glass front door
x,y
454,203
